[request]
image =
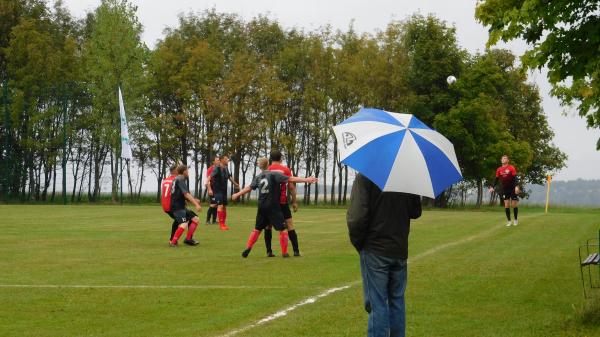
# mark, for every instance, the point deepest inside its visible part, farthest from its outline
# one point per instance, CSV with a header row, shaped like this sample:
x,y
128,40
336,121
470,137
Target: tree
x,y
564,36
479,126
433,54
114,57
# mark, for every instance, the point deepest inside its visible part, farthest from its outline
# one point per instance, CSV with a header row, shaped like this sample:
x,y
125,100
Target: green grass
x,y
468,275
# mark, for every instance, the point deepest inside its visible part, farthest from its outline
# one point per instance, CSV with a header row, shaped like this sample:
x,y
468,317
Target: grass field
x,y
108,271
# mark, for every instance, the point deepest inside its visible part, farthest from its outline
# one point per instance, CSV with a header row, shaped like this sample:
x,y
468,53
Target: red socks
x,y
283,241
222,215
220,218
192,228
252,239
177,235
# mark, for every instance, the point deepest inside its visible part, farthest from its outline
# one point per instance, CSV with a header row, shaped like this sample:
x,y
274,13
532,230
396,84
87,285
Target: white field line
x,y
285,311
125,286
328,292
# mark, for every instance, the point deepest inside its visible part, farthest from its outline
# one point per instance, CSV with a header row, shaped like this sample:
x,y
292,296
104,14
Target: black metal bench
x,y
592,258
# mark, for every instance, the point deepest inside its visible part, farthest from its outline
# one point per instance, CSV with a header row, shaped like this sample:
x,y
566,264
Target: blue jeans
x,y
384,282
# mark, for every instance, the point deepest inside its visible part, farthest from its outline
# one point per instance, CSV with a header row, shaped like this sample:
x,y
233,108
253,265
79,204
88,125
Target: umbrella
x,y
397,152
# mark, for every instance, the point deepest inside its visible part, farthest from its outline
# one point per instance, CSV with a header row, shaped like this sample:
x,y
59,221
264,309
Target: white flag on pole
x,y
125,145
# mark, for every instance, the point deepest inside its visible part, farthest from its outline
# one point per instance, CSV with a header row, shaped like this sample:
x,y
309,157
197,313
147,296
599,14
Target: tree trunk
x,y
54,184
139,194
345,183
479,192
334,166
197,175
325,177
114,173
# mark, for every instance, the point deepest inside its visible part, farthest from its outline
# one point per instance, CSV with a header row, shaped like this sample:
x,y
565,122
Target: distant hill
x,y
572,193
567,193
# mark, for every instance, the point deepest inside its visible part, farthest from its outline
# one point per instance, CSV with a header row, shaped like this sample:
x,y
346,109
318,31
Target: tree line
x,y
216,83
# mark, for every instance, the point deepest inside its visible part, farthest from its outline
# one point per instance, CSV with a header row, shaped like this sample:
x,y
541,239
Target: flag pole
x,y
121,184
549,181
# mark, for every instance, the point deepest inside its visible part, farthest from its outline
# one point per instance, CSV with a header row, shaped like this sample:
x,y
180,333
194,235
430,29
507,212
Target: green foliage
x,y
433,55
499,113
564,37
114,57
218,84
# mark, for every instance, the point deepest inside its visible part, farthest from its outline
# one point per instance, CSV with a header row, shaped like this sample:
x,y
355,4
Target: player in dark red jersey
x,y
217,187
275,158
184,217
507,175
269,212
166,187
212,210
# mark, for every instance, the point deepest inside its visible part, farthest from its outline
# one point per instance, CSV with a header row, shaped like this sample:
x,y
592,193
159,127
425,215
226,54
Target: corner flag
x,y
125,145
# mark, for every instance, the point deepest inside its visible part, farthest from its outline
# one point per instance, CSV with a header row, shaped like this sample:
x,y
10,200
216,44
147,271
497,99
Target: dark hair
x,y
275,155
181,169
173,167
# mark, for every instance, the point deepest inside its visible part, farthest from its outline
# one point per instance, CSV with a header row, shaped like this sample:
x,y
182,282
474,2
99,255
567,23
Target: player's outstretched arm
x,y
245,190
309,180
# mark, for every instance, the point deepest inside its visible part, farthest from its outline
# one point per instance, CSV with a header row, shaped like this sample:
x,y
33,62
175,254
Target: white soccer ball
x,y
451,79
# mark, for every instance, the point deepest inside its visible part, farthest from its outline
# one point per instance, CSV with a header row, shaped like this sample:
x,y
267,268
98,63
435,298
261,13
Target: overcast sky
x,y
572,136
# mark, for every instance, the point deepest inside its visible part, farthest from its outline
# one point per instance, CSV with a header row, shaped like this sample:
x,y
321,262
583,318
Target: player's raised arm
x,y
309,180
247,189
237,195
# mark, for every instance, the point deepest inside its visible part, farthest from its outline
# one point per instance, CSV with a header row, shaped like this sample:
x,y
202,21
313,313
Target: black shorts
x,y
182,215
287,213
212,200
509,194
267,217
220,198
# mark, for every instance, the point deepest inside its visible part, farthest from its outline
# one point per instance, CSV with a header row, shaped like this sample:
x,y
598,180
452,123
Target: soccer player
x,y
507,175
276,166
165,196
212,210
269,212
182,215
217,187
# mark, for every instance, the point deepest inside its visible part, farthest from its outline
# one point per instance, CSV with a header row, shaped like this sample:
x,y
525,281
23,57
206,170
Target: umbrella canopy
x,y
397,152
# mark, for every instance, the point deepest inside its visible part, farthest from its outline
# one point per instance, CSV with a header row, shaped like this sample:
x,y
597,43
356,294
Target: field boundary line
x,y
141,286
313,299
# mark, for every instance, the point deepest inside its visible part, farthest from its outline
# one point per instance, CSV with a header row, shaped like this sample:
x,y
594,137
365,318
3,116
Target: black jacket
x,y
380,221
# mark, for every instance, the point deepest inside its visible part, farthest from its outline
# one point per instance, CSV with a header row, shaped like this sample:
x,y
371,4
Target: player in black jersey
x,y
269,212
217,188
179,195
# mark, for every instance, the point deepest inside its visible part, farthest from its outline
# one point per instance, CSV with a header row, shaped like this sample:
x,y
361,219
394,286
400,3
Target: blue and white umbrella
x,y
397,152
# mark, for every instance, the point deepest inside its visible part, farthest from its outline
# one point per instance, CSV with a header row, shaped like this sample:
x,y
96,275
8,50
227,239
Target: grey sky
x,y
572,136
